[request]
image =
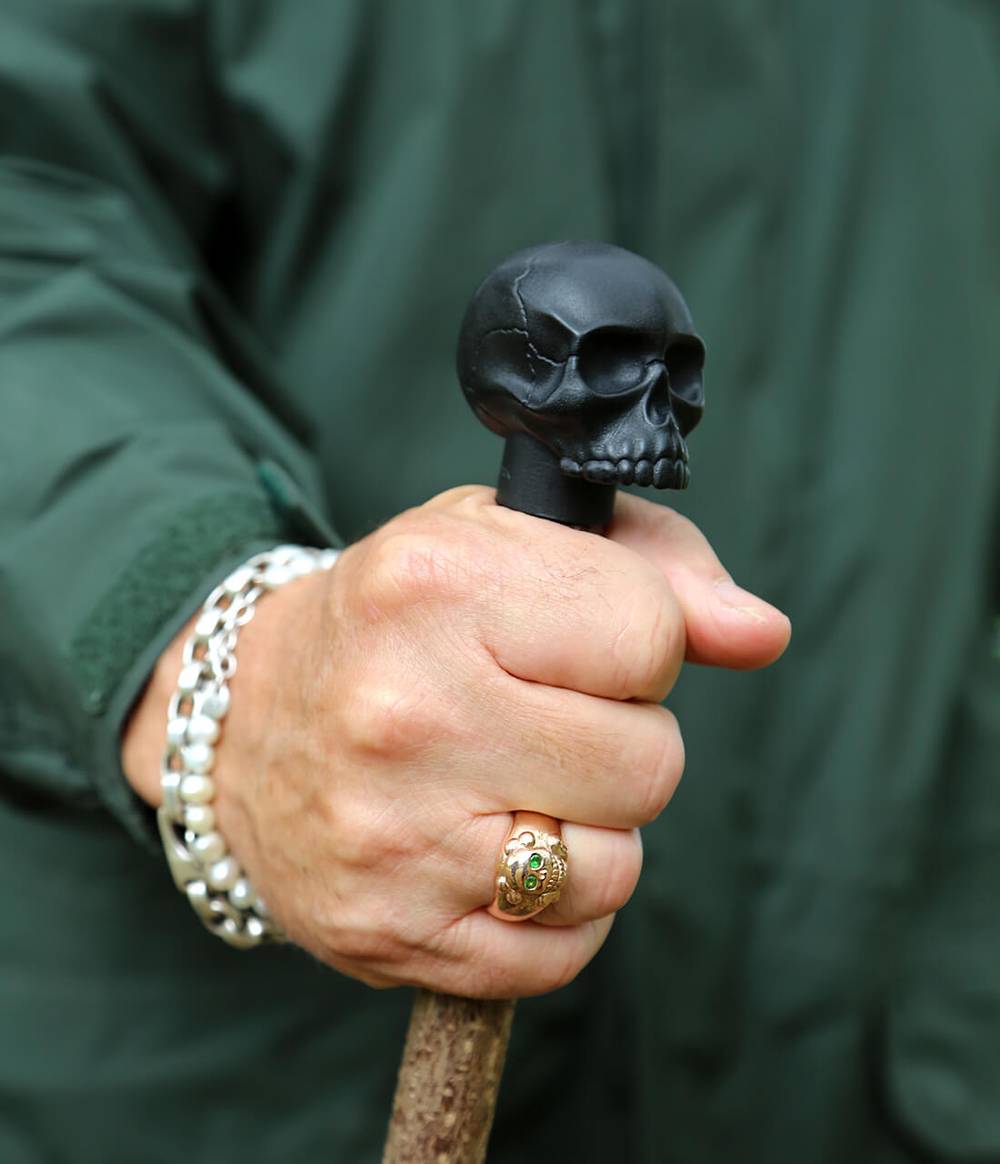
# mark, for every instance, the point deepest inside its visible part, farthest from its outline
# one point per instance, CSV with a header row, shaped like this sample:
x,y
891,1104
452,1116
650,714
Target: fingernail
x,y
734,597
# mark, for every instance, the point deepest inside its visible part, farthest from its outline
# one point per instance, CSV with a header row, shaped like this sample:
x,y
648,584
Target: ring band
x,y
531,872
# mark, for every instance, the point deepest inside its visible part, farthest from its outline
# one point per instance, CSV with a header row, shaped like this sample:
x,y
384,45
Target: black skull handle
x,y
584,357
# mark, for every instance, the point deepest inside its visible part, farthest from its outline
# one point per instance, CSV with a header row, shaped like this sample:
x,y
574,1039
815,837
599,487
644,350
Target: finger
x,y
479,741
604,868
726,625
569,609
571,756
481,957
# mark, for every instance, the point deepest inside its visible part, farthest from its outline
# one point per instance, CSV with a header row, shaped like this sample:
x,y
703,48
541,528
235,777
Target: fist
x,y
464,672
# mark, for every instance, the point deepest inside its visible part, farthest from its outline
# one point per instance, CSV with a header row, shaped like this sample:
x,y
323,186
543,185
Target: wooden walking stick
x,y
584,358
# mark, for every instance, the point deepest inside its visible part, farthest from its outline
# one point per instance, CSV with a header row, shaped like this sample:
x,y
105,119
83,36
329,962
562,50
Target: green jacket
x,y
234,237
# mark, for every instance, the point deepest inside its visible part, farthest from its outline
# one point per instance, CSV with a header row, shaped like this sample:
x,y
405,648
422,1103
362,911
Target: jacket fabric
x,y
236,240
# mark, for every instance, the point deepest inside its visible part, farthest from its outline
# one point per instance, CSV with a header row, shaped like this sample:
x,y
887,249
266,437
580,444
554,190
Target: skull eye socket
x,y
685,360
613,360
505,352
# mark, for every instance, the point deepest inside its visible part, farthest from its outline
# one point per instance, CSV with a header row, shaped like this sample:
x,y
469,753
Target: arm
x,y
137,463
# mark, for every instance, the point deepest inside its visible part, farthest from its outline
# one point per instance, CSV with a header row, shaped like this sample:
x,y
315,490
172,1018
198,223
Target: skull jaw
x,y
532,481
663,473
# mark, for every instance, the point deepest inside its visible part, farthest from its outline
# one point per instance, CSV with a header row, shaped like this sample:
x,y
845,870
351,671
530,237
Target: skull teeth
x,y
603,471
665,473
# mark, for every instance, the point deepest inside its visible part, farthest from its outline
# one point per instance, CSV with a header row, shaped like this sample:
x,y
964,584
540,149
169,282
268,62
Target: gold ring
x,y
532,870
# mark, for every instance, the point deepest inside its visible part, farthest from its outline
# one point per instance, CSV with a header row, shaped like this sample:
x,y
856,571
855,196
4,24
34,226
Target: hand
x,y
461,663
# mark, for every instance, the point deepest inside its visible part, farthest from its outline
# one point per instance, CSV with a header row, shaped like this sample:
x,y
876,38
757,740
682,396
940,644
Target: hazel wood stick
x,y
449,1078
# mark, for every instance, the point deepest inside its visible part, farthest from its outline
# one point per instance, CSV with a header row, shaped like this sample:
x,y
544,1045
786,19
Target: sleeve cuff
x,y
117,647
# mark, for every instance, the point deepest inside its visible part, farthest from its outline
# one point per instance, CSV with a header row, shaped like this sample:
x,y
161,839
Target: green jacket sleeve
x,y
140,451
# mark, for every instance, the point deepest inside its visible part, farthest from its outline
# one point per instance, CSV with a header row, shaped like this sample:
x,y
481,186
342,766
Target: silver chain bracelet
x,y
202,866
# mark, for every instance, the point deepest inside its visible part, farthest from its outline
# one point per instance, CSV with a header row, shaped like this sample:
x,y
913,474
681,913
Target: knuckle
x,y
357,926
388,719
659,765
362,946
356,906
408,567
360,845
352,940
462,498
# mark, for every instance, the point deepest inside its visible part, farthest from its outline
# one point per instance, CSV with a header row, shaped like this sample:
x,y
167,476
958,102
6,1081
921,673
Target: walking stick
x,y
584,358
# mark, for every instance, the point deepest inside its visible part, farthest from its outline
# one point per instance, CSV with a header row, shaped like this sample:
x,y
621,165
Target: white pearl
x,y
189,677
276,575
261,908
177,731
328,559
210,847
197,789
207,624
216,703
238,580
223,874
199,818
202,729
302,564
229,931
255,927
242,894
198,757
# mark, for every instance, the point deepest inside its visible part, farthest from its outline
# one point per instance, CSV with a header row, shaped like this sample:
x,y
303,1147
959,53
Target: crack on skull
x,y
532,350
516,288
525,335
494,331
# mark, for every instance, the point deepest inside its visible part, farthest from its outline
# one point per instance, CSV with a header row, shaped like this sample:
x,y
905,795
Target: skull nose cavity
x,y
656,403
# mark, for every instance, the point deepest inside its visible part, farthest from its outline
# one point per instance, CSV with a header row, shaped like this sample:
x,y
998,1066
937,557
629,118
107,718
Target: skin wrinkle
x,y
617,653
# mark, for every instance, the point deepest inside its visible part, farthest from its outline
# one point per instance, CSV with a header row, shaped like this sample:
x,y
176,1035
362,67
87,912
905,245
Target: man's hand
x,y
461,663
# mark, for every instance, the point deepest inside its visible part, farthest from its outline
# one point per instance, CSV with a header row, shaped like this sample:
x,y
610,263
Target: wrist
x,y
189,695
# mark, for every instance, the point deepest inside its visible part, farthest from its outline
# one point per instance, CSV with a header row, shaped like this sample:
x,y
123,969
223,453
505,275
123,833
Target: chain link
x,y
200,862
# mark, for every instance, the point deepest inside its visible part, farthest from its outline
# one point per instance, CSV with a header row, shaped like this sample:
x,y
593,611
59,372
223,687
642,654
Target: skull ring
x,y
531,873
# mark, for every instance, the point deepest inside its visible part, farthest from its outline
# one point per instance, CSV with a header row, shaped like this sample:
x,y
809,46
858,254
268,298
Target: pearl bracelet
x,y
200,862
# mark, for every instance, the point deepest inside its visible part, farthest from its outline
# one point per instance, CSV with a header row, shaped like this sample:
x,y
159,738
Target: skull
x,y
591,350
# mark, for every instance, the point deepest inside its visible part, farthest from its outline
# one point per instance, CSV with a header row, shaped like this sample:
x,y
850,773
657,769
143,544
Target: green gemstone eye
x,y
531,881
535,861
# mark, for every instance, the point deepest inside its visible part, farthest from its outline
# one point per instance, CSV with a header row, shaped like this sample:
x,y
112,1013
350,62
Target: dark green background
x,y
235,238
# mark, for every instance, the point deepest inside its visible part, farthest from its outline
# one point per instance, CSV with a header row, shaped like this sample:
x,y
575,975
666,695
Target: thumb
x,y
726,625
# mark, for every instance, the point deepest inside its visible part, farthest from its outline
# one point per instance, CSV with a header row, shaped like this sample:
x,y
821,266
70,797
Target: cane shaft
x,y
567,351
448,1080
